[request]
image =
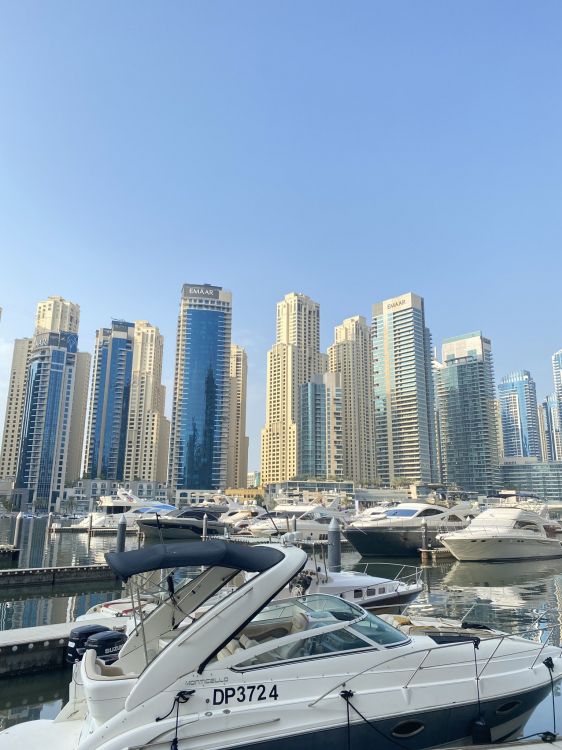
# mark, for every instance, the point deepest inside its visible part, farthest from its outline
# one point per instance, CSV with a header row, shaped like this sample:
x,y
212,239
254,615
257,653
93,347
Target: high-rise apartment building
x,y
148,430
237,464
46,426
520,424
467,414
14,409
320,450
57,314
403,391
351,356
549,428
292,361
201,402
104,454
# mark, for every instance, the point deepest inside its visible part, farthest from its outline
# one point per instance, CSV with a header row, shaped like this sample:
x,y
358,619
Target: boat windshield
x,y
309,626
404,512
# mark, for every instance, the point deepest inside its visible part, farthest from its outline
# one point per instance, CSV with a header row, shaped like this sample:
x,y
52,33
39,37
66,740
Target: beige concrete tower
x,y
148,430
350,356
292,361
14,409
78,417
237,465
57,314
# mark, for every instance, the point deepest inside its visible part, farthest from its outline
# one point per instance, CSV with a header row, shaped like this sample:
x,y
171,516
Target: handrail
x,y
427,651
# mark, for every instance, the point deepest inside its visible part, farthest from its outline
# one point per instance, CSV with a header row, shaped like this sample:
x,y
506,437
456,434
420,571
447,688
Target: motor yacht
x,y
506,533
255,673
311,524
112,507
405,528
240,517
191,522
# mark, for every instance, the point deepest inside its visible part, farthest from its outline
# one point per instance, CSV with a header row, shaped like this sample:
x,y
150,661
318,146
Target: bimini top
x,y
184,554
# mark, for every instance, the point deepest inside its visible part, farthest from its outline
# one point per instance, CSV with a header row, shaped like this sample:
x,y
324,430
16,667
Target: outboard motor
x,y
77,641
107,644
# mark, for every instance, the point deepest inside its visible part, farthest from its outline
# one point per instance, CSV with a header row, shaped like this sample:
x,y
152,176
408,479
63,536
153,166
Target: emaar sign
x,y
201,290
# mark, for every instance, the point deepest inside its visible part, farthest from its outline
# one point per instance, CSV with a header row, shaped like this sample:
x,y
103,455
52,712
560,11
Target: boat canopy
x,y
184,554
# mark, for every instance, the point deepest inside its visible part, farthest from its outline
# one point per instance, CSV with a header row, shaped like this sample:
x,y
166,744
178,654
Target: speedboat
x,y
506,533
406,528
191,522
255,673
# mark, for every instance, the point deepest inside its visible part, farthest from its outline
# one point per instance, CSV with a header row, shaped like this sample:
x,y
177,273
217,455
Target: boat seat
x,y
97,670
300,622
246,642
230,648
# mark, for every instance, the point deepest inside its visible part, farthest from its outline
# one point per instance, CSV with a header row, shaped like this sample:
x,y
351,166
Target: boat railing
x,y
425,653
402,576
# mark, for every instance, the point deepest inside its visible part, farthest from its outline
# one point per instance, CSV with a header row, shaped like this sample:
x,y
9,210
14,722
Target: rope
x,y
547,736
346,695
182,697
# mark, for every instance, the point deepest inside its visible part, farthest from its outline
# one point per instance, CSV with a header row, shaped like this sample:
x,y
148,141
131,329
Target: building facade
x,y
148,430
292,361
320,450
104,454
351,357
519,415
549,429
47,416
541,478
57,314
237,468
15,404
403,391
201,401
467,414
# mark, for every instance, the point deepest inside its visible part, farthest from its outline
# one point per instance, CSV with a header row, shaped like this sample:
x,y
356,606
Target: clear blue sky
x,y
351,151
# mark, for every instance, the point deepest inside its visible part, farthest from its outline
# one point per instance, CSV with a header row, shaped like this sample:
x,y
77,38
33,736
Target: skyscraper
x,y
549,426
350,355
520,426
47,416
237,468
201,408
15,404
467,414
104,454
403,391
44,424
292,361
320,453
148,430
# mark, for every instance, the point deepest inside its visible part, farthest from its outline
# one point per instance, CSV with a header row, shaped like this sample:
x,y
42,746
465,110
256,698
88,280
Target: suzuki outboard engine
x,y
77,641
107,645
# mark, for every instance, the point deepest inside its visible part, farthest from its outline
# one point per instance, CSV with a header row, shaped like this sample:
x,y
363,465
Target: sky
x,y
350,151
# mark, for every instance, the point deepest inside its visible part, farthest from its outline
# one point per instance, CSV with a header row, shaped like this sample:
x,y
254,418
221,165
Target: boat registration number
x,y
244,694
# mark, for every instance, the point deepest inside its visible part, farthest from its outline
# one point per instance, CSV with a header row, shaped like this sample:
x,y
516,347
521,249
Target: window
x,y
379,631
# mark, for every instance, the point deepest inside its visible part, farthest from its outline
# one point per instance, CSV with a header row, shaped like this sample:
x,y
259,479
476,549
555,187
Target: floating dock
x,y
435,554
54,576
27,650
103,531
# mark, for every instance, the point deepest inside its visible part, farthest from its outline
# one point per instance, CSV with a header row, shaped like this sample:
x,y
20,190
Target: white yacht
x,y
404,529
112,507
312,524
238,518
312,669
506,533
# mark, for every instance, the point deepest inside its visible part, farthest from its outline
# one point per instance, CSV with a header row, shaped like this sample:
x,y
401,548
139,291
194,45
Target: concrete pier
x,y
54,576
28,650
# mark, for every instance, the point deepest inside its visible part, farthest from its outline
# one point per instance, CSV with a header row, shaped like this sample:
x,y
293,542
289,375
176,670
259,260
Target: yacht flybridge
x,y
250,672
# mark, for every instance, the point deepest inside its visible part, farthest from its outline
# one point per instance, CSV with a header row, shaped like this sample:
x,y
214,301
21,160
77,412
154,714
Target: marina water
x,y
515,597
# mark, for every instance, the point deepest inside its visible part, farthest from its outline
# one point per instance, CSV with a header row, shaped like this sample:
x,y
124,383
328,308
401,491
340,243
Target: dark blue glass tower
x,y
109,401
199,433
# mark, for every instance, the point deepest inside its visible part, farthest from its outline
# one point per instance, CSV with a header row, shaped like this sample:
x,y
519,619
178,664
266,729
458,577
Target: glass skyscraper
x,y
46,418
403,391
109,401
519,415
200,411
467,414
320,449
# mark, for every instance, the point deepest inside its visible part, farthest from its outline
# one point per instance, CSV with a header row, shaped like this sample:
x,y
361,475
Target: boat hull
x,y
187,528
385,542
484,549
